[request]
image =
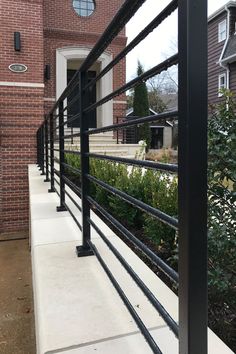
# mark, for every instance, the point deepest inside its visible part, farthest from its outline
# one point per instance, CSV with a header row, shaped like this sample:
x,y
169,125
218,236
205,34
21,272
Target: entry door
x,y
157,138
74,108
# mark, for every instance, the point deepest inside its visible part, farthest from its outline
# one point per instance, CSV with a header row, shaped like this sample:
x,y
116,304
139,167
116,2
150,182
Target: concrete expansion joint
x,y
54,243
108,339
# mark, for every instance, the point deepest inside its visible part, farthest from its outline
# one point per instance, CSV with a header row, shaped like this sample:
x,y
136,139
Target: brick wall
x,y
21,114
64,28
21,107
44,26
60,15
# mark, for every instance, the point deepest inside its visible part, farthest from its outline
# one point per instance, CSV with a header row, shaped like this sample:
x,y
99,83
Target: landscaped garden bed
x,y
160,190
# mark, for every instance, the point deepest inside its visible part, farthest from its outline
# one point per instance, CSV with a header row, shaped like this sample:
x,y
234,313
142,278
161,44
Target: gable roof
x,y
167,123
131,110
230,50
215,14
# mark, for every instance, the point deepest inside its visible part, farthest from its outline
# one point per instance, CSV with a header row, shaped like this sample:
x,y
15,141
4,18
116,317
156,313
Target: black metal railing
x,y
53,145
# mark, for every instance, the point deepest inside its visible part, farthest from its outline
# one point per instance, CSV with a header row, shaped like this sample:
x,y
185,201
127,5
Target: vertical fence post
x,y
42,149
117,132
38,146
85,249
72,138
51,134
193,176
46,148
61,157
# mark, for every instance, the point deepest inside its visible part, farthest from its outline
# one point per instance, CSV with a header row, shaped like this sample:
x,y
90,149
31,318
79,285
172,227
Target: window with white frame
x,y
222,83
222,31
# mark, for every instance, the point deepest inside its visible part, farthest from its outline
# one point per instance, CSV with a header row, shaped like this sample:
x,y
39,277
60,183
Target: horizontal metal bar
x,y
67,121
71,136
151,297
73,186
131,238
73,99
171,7
134,122
72,168
71,86
55,129
72,199
56,172
159,215
72,152
55,116
58,183
127,303
121,18
148,164
57,191
145,76
73,216
71,119
66,137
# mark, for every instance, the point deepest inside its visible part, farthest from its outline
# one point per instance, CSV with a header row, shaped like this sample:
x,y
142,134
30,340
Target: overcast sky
x,y
161,42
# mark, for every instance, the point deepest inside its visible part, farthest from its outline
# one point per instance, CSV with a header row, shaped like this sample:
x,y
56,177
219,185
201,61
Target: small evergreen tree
x,y
141,108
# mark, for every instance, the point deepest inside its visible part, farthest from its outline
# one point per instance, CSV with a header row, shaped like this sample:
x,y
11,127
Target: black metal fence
x,y
192,165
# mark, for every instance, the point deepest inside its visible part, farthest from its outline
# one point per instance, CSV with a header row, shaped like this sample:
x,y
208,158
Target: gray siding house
x,y
222,51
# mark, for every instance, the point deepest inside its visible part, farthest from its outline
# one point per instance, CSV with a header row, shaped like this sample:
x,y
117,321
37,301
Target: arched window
x,y
84,7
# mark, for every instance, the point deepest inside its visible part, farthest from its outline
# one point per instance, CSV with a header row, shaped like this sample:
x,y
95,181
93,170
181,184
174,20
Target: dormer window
x,y
222,31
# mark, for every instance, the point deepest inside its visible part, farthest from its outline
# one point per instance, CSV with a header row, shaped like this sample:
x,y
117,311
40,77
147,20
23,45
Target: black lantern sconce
x,y
17,41
47,72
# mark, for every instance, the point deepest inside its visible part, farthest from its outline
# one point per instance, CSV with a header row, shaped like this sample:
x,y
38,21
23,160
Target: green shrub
x,y
130,183
222,219
153,188
222,199
161,192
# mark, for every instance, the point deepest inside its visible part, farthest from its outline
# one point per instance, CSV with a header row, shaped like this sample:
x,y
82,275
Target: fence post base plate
x,y
61,208
81,251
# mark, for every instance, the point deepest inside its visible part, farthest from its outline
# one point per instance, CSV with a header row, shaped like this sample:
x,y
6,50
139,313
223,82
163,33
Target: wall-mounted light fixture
x,y
47,72
17,41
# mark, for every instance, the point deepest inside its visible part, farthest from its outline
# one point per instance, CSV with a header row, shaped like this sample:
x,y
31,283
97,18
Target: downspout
x,y
226,66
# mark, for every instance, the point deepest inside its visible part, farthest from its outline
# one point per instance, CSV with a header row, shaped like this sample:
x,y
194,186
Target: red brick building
x,y
38,34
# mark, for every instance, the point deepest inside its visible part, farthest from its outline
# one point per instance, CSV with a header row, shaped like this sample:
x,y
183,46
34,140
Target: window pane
x,y
222,31
84,7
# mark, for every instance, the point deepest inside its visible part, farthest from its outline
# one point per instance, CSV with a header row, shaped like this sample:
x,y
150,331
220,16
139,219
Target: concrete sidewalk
x,y
77,309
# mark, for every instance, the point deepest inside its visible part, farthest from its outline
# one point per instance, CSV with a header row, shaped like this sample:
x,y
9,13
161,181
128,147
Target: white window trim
x,y
224,22
105,112
219,83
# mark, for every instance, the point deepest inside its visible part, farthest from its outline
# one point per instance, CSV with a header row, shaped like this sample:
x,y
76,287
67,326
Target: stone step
x,y
95,141
122,153
100,136
105,147
131,150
